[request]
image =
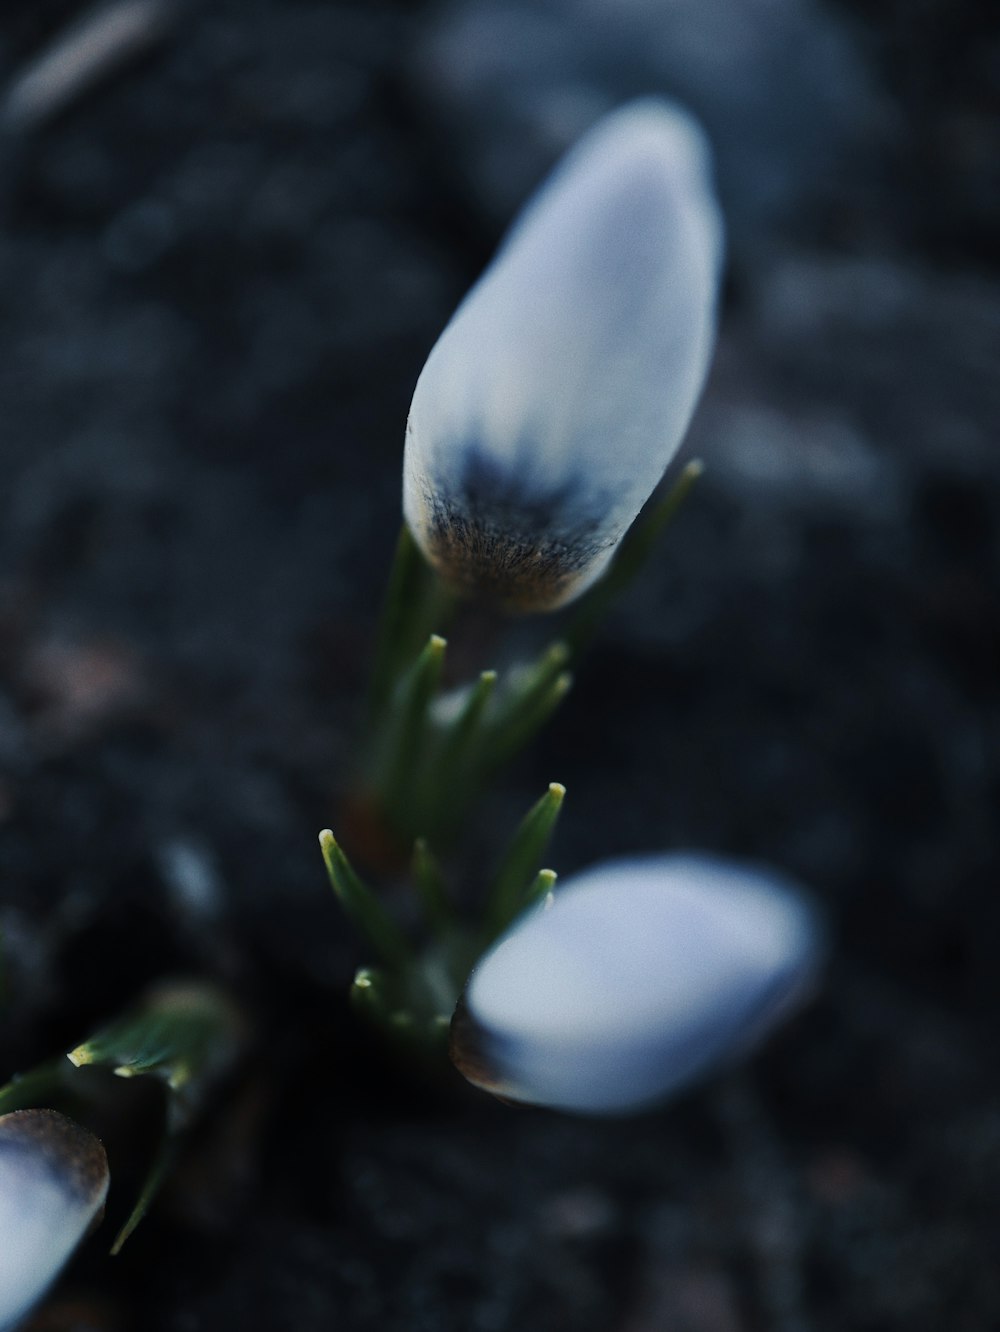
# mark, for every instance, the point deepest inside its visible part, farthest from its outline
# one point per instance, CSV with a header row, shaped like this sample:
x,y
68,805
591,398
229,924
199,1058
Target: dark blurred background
x,y
229,234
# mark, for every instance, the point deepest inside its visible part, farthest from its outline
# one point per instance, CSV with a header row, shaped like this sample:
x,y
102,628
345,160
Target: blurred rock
x,y
782,87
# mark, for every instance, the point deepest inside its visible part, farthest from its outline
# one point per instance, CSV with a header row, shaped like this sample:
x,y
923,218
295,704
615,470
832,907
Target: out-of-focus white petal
x,y
642,975
553,401
53,1181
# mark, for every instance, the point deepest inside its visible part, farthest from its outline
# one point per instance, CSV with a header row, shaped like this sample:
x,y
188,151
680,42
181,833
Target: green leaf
x,y
166,1155
38,1088
635,551
184,1034
525,685
416,604
372,995
540,887
401,766
517,878
465,733
363,907
406,1008
429,882
526,698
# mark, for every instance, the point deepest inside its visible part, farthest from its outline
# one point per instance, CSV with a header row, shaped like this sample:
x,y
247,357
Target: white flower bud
x,y
53,1181
554,400
642,975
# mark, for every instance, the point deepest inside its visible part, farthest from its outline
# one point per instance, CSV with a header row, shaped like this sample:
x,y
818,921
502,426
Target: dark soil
x,y
222,268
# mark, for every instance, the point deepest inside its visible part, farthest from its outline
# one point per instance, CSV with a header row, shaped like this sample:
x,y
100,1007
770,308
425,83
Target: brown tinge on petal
x,y
514,574
74,1157
467,1051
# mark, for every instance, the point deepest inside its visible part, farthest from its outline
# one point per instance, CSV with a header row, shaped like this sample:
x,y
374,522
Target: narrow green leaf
x,y
37,1088
518,871
363,907
528,719
524,686
406,1010
184,1034
635,551
464,732
407,729
371,995
164,1159
540,887
416,604
429,881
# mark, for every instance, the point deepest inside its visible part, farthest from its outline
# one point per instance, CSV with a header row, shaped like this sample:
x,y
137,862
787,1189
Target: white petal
x,y
552,403
53,1181
642,975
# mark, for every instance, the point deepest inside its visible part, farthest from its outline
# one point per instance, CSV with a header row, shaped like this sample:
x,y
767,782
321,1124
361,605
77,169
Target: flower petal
x,y
53,1181
642,975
